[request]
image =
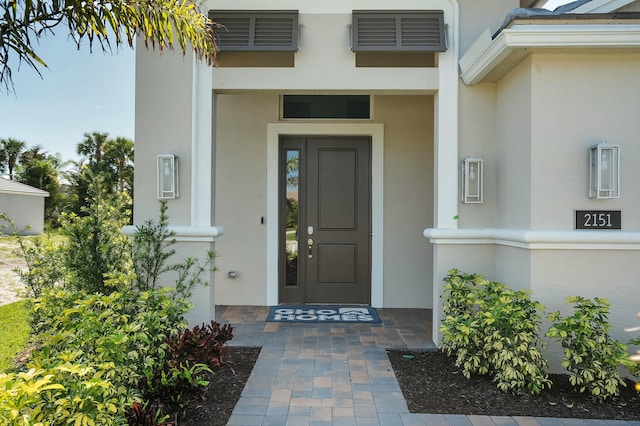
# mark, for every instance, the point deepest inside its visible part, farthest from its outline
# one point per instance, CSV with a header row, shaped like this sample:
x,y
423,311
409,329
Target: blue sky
x,y
79,92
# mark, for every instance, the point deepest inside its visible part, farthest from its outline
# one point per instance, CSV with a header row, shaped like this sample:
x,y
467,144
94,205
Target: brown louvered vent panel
x,y
407,31
377,32
274,32
233,31
256,30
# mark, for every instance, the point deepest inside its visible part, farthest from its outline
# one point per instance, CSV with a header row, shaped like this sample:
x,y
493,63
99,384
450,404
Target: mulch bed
x,y
214,406
431,383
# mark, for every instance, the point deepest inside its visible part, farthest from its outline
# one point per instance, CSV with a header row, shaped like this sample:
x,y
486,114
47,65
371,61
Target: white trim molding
x,y
187,233
538,239
201,144
488,60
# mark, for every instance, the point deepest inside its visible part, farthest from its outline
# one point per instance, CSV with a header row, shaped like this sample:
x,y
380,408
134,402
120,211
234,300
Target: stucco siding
x,y
601,85
513,267
514,148
241,195
408,198
609,274
25,211
163,126
477,138
476,16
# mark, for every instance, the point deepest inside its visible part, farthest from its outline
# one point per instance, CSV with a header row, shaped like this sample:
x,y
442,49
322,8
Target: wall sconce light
x,y
604,171
472,180
167,176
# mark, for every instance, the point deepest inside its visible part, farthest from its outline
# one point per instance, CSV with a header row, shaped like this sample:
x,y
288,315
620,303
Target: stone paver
x,y
339,374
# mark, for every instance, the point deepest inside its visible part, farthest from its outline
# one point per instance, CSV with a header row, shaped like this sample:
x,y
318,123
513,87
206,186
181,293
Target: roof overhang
x,y
488,60
601,6
39,193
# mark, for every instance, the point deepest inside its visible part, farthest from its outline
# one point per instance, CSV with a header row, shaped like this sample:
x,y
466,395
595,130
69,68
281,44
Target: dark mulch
x,y
431,383
214,406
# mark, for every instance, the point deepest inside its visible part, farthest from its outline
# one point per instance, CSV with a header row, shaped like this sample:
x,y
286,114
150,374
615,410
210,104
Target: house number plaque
x,y
598,219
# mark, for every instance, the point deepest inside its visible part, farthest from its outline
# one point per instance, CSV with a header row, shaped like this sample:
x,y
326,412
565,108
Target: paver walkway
x,y
339,374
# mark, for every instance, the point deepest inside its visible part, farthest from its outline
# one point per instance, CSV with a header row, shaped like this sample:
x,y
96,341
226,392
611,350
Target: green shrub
x,y
128,329
95,352
44,259
591,356
152,249
64,394
635,367
43,256
511,324
494,330
460,329
97,250
101,333
14,332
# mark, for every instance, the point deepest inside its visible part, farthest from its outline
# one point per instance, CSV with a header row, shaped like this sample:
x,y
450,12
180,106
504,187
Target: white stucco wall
x,y
241,195
513,115
608,274
580,100
27,211
408,199
478,139
476,16
163,126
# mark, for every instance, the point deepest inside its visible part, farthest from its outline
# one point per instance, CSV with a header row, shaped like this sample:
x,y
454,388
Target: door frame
x,y
373,130
309,149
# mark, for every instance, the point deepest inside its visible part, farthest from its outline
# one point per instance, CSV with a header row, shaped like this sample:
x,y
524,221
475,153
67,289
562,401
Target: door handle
x,y
310,248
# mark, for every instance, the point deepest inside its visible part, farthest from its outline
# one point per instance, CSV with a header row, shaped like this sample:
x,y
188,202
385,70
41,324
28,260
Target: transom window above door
x,y
326,106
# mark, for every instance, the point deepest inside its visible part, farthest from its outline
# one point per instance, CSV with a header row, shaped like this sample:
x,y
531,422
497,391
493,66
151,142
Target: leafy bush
x,y
64,394
493,330
14,332
191,353
591,356
460,329
41,254
100,334
206,343
127,329
44,262
97,249
635,367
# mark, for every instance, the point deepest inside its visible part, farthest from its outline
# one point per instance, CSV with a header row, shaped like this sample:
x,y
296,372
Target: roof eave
x,y
489,60
30,193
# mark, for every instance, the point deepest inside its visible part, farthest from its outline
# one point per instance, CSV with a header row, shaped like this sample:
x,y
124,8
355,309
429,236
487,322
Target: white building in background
x,y
24,205
356,128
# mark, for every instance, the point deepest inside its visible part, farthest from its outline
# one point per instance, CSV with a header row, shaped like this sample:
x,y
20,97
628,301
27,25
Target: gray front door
x,y
326,255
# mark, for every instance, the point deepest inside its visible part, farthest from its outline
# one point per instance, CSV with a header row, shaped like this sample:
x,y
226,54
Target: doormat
x,y
323,313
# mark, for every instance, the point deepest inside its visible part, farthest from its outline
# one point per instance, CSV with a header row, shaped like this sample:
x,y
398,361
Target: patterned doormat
x,y
323,313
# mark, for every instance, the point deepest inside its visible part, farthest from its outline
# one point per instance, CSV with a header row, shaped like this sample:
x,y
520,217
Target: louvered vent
x,y
256,30
407,31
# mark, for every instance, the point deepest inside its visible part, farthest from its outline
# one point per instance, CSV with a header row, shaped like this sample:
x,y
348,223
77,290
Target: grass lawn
x,y
14,332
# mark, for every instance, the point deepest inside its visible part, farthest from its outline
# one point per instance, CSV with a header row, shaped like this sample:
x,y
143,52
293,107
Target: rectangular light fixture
x,y
167,176
604,171
472,180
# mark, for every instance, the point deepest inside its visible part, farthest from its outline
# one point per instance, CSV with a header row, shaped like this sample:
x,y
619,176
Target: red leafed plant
x,y
204,344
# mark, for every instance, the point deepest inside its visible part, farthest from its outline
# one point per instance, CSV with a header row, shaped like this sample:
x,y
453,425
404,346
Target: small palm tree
x,y
10,149
119,153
